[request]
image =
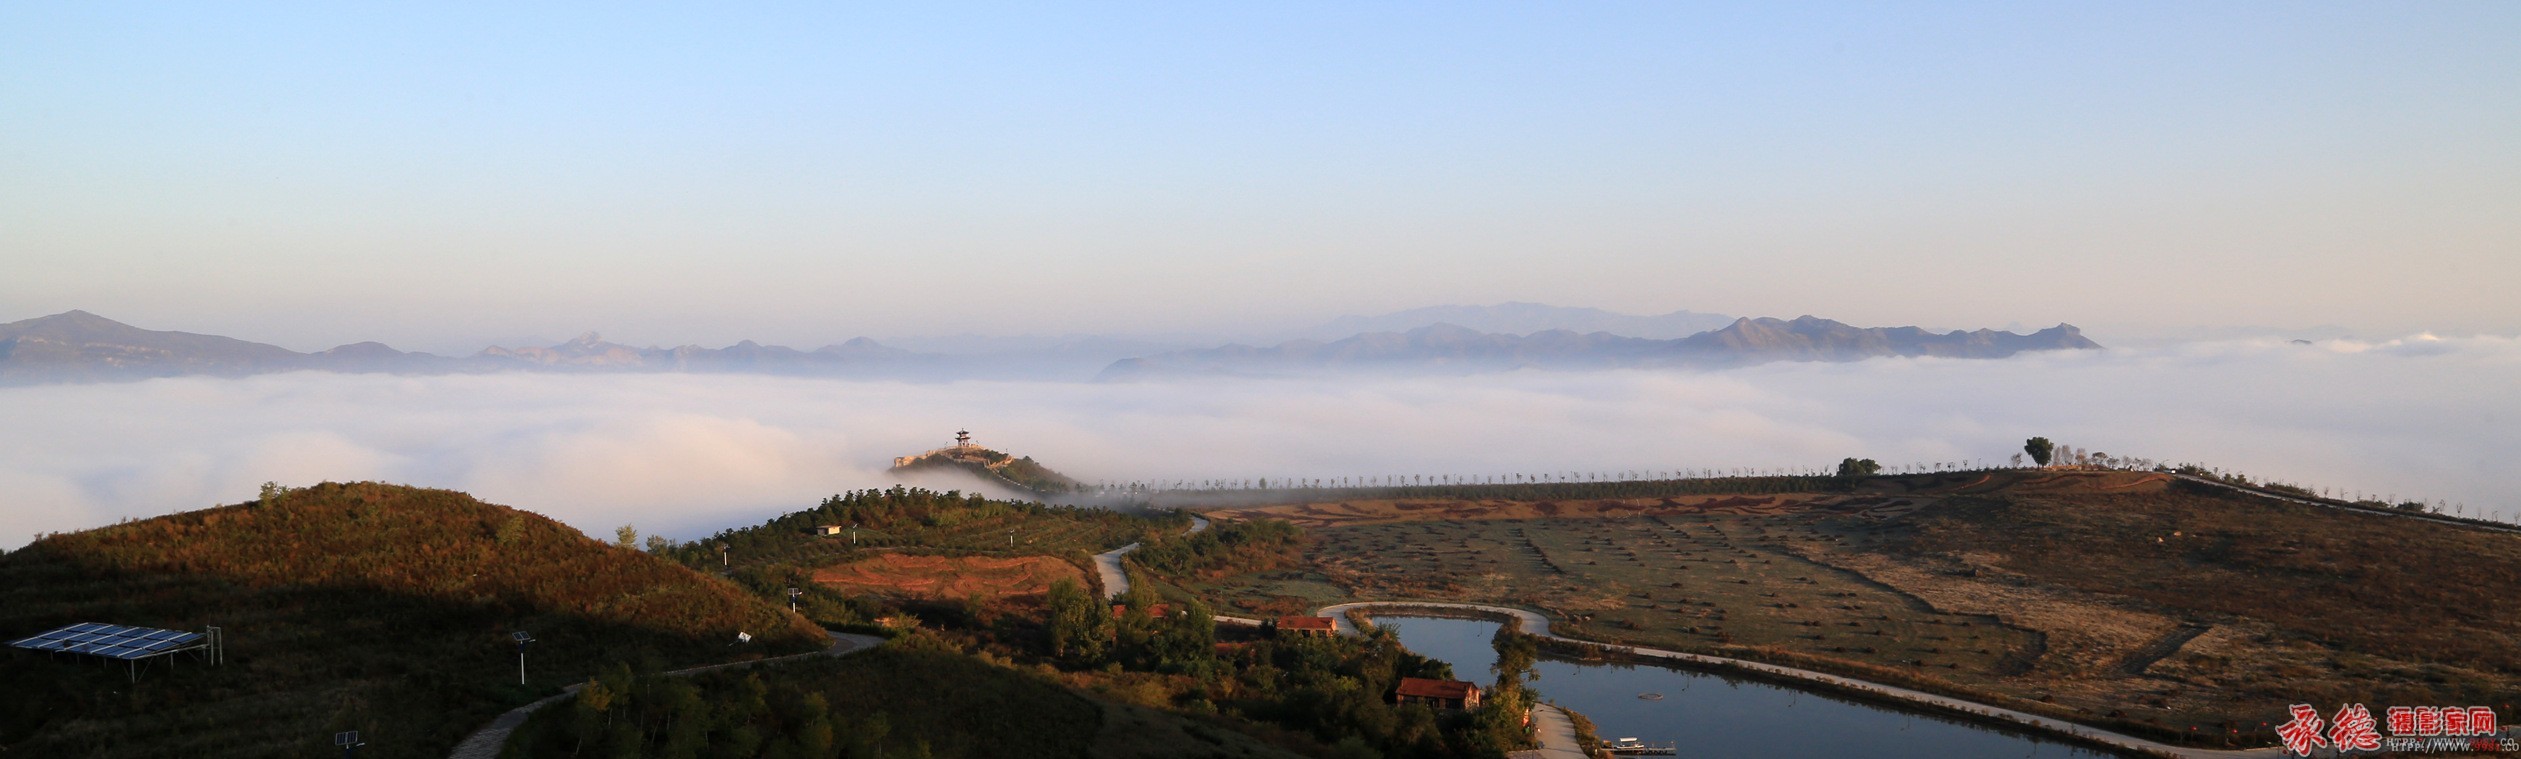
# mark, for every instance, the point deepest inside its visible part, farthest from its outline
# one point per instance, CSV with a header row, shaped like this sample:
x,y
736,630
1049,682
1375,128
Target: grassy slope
x,y
2314,602
380,608
2047,588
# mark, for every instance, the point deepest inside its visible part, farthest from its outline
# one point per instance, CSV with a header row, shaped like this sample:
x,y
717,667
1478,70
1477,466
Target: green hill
x,y
379,608
926,521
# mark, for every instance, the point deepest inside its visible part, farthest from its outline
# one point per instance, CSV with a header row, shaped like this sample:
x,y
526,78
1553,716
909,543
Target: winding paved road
x,y
1107,563
1538,625
486,742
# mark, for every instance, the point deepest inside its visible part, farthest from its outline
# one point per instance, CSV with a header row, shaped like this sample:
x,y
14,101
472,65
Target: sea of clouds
x,y
684,455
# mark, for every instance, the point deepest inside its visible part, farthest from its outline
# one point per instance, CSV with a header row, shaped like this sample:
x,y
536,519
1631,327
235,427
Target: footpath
x,y
1556,732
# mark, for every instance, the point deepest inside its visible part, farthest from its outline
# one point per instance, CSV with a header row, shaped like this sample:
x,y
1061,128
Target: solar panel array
x,y
111,641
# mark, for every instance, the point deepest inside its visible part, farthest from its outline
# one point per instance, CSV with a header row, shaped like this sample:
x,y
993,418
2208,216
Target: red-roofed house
x,y
1318,627
1441,694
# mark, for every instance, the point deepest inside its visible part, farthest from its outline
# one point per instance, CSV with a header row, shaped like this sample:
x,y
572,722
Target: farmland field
x,y
2116,598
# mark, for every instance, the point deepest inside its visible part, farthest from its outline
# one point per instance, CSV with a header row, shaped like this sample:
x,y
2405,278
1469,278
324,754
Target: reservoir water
x,y
1712,716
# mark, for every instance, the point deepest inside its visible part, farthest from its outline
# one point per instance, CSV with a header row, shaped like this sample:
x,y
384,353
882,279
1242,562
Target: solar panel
x,y
111,641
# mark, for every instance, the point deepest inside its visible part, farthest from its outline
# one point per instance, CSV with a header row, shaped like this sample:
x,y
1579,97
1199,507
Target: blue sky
x,y
437,176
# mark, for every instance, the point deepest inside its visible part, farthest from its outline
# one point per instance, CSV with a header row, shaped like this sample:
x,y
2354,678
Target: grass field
x,y
2118,598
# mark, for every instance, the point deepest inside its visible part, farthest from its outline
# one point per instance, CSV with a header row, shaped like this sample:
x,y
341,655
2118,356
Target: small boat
x,y
1649,696
1634,747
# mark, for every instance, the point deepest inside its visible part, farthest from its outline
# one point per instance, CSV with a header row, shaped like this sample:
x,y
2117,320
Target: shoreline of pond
x,y
1854,690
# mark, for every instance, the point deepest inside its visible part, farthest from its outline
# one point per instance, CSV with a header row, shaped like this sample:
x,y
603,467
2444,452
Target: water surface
x,y
1712,716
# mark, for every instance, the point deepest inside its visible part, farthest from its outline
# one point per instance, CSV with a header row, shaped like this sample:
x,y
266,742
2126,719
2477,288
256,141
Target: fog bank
x,y
684,455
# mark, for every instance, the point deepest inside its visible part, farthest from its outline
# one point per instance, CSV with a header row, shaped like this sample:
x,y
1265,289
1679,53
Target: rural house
x,y
1316,627
1442,694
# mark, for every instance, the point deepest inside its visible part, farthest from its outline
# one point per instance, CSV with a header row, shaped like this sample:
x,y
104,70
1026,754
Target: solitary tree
x,y
1080,629
1849,469
2040,449
626,537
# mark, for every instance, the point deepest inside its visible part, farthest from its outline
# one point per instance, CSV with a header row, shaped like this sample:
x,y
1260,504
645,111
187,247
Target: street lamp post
x,y
522,637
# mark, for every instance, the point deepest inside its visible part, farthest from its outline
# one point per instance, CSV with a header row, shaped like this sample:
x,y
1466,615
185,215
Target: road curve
x,y
1107,565
1537,625
487,742
1116,579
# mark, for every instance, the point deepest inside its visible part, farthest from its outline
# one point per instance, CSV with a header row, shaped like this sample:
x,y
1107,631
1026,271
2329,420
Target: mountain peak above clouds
x,y
1452,348
80,346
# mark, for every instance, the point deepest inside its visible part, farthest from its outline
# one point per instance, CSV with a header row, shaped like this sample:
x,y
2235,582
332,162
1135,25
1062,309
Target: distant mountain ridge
x,y
1454,348
78,346
1520,318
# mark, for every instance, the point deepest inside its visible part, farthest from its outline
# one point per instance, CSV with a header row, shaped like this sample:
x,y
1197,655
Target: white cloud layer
x,y
2422,417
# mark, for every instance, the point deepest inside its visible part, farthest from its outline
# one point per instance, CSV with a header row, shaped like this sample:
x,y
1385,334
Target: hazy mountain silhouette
x,y
1454,348
1517,318
78,346
82,347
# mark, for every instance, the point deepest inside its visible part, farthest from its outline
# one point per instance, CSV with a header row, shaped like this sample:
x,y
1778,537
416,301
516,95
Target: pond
x,y
1713,716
